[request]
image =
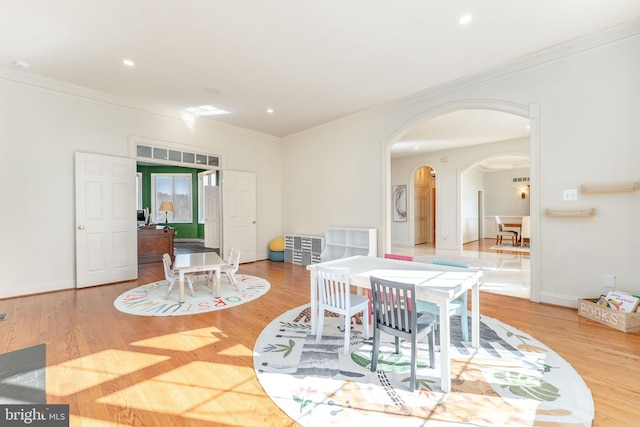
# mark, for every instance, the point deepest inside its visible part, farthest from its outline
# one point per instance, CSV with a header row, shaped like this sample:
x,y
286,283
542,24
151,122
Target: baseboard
x,y
41,288
559,299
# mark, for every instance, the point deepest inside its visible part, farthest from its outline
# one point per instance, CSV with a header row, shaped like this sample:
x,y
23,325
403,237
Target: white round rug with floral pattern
x,y
512,379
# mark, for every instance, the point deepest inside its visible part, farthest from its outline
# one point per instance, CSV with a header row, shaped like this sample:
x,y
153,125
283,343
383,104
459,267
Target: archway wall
x,y
583,102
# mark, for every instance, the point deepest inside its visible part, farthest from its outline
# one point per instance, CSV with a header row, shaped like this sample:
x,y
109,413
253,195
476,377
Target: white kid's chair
x,y
171,276
334,295
231,268
457,306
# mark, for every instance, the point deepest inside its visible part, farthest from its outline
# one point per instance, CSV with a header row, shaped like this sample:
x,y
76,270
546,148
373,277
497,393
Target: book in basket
x,y
622,301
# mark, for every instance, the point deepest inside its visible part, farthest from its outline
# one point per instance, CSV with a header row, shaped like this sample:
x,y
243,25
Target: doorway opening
x,y
452,156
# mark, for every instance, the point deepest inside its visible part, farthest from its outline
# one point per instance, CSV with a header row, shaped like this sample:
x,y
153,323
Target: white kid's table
x,y
194,263
434,283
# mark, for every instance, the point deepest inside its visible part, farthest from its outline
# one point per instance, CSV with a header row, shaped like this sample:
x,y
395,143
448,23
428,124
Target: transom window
x,y
176,188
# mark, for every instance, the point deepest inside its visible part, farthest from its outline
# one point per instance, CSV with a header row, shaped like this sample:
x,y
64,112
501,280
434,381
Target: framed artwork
x,y
399,203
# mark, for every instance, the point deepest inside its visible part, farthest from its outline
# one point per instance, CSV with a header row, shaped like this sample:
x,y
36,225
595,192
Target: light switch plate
x,y
609,280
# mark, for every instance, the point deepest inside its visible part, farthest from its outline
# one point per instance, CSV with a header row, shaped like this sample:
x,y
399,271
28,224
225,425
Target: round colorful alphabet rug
x,y
512,379
148,300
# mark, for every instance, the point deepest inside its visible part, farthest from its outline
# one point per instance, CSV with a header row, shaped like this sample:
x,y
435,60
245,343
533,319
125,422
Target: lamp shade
x,y
166,206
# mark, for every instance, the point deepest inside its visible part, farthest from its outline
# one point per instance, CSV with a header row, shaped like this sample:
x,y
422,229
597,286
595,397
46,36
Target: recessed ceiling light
x,y
270,110
465,19
205,110
128,63
21,64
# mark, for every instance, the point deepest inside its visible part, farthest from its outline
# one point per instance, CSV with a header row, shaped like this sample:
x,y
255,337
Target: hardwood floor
x,y
118,369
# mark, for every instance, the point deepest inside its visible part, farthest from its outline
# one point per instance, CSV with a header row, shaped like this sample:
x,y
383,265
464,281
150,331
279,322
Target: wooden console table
x,y
153,242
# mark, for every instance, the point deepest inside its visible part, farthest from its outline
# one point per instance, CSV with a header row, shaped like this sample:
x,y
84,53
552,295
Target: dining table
x,y
511,224
199,262
434,283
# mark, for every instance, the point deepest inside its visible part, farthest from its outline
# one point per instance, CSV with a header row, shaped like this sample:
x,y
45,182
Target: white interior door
x,y
106,221
421,204
239,213
212,217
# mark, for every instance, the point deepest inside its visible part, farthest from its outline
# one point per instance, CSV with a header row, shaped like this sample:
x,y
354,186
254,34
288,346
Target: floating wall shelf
x,y
613,188
570,212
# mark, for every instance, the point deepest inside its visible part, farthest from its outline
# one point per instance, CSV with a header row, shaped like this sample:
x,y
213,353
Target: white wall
x,y
502,196
472,183
588,101
41,129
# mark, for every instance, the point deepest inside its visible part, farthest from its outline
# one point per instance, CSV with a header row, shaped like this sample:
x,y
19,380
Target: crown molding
x,y
554,53
98,96
551,54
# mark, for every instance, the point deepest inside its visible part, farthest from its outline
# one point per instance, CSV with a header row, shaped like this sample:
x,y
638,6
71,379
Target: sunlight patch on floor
x,y
194,390
184,341
75,420
72,377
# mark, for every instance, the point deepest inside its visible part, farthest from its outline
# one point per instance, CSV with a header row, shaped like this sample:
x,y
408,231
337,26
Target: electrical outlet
x,y
570,195
609,280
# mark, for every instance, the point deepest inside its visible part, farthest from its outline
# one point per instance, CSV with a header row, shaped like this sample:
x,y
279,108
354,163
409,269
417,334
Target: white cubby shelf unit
x,y
345,242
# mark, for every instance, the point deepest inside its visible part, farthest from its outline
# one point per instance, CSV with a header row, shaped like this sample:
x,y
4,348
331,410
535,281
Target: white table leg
x,y
314,302
445,341
475,315
180,286
217,282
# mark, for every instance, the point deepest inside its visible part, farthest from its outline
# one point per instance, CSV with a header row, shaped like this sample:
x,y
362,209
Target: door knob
x,y
254,222
81,227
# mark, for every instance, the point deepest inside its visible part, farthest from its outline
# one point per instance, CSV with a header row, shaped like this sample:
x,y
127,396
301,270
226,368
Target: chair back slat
x,y
394,305
333,287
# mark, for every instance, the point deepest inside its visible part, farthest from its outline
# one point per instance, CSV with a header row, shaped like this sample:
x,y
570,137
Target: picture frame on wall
x,y
399,194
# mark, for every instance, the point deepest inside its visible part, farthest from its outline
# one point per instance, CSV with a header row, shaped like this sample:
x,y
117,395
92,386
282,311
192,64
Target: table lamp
x,y
166,207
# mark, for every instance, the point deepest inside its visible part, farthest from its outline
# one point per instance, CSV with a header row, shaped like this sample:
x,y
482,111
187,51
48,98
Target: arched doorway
x,y
448,218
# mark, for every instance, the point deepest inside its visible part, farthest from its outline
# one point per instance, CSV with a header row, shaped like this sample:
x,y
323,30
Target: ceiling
x,y
311,62
463,128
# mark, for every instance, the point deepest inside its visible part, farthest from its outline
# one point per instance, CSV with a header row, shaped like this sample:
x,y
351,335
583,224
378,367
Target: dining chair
x,y
458,306
525,231
231,268
395,313
334,295
501,232
171,276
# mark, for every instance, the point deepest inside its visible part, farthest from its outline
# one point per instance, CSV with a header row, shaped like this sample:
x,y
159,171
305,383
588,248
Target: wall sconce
x,y
524,192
